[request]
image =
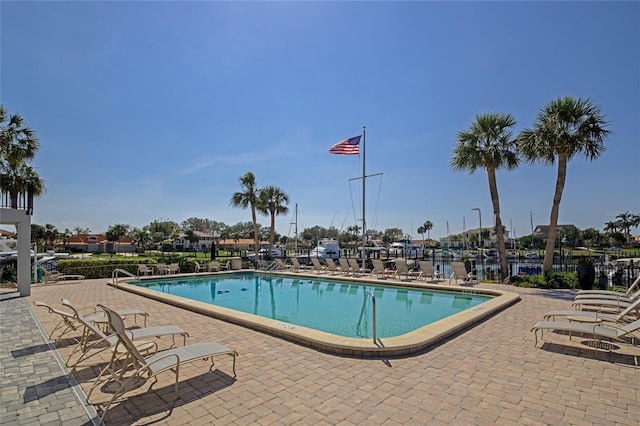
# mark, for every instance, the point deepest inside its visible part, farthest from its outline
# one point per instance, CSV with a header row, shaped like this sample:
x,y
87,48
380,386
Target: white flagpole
x,y
364,179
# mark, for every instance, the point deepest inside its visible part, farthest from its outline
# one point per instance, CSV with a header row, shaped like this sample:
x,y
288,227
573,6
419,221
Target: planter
x,y
586,275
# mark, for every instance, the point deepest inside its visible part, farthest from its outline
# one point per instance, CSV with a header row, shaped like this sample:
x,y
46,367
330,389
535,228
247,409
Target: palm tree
x,y
273,201
421,232
18,178
248,197
626,221
612,226
428,226
18,144
563,129
488,145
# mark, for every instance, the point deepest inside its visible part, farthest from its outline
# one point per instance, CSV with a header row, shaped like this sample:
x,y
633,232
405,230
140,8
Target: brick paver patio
x,y
489,374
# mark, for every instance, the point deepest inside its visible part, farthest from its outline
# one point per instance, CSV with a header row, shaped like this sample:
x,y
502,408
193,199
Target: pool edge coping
x,y
407,344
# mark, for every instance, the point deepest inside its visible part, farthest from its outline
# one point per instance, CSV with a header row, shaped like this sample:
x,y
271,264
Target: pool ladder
x,y
118,271
373,313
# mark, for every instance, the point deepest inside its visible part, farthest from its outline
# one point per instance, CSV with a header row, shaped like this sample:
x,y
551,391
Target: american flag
x,y
349,146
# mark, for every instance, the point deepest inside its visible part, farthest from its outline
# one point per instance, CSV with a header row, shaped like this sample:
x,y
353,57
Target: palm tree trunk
x,y
547,265
502,251
273,229
256,241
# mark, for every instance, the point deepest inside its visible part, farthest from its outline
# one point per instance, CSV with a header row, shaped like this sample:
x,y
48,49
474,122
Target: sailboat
x,y
531,254
512,254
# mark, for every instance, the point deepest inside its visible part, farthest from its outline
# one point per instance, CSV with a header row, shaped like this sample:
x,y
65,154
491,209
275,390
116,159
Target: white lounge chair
x,y
103,341
317,266
141,368
200,268
615,304
71,321
610,296
163,268
597,331
331,266
356,268
459,272
297,266
144,269
55,277
427,270
623,316
403,269
345,268
380,269
634,287
174,268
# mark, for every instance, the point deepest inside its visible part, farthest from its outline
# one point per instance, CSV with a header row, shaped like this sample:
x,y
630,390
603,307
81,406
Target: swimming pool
x,y
331,314
341,308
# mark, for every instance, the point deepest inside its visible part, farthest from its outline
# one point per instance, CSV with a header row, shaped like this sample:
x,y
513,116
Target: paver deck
x,y
489,374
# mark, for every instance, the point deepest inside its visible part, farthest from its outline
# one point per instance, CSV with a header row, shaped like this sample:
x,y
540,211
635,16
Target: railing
x,y
114,275
22,200
373,314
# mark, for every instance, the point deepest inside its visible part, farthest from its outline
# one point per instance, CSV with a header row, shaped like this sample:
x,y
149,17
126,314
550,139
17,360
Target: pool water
x,y
341,308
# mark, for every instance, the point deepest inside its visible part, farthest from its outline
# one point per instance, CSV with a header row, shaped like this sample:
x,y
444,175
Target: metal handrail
x,y
114,275
373,314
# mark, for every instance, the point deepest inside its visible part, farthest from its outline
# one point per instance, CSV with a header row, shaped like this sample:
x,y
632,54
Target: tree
x,y
564,128
115,232
141,237
626,221
248,197
353,233
488,145
392,234
421,232
590,235
192,237
18,145
272,201
78,230
37,234
50,235
428,226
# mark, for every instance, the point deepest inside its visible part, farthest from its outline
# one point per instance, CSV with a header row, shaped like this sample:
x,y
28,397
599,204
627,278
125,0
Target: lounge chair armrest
x,y
91,309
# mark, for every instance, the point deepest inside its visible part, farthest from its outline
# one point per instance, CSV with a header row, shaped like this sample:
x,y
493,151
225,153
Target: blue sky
x,y
153,110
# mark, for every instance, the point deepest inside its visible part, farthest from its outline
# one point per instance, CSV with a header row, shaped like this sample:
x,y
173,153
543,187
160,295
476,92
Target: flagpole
x,y
364,179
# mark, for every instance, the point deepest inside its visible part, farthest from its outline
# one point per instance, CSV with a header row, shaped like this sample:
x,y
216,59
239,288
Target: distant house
x,y
98,243
6,234
181,243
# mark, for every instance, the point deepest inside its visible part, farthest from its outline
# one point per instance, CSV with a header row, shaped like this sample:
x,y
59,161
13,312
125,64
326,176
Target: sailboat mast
x,y
364,187
295,228
531,239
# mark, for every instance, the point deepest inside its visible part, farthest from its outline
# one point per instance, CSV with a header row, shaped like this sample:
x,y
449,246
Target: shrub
x,y
100,268
552,280
9,274
561,280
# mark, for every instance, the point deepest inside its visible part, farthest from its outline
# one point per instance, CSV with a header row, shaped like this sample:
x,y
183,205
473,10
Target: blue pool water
x,y
341,308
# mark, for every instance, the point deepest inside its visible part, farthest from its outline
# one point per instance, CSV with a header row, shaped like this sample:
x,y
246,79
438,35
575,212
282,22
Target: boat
x,y
491,254
531,255
512,255
265,252
373,247
326,248
406,248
